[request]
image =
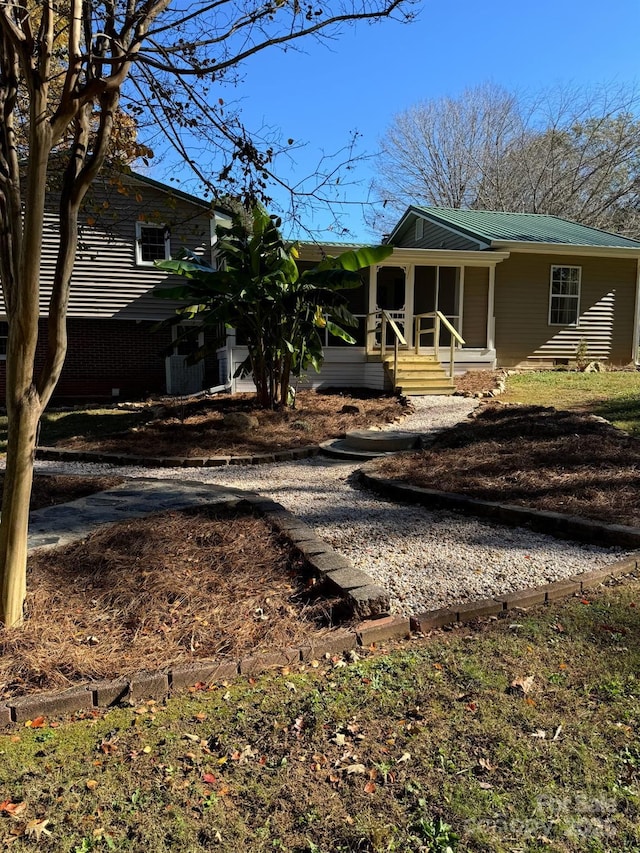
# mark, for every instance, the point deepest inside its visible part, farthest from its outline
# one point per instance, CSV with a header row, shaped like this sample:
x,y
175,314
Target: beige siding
x,y
475,306
607,310
106,281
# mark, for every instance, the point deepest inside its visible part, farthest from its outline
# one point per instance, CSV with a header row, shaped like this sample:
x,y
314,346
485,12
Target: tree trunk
x,y
15,507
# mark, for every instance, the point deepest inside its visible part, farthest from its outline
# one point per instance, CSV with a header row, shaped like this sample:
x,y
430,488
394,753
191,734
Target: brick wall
x,y
107,354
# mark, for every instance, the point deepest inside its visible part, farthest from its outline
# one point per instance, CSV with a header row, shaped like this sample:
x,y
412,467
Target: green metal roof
x,y
494,226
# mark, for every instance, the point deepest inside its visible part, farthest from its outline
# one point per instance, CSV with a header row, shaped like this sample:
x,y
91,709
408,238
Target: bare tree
x,y
566,151
67,62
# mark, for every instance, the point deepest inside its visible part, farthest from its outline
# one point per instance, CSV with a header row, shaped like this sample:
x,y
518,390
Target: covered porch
x,y
415,287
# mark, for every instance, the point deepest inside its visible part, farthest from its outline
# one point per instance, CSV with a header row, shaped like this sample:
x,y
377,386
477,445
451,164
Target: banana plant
x,y
279,313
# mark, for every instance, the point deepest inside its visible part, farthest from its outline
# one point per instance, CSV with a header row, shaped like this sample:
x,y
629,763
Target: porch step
x,y
370,443
419,375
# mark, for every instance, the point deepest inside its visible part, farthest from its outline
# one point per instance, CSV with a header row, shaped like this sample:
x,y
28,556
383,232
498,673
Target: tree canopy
x,y
564,152
67,67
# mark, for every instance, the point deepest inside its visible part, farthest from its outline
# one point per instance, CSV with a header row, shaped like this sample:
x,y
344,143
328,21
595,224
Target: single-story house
x,y
507,289
128,221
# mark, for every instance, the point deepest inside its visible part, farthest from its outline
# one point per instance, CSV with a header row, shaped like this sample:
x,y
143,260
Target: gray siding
x,y
434,237
106,281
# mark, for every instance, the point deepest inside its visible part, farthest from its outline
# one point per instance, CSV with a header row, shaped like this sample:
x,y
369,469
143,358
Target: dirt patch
x,y
148,593
197,429
532,456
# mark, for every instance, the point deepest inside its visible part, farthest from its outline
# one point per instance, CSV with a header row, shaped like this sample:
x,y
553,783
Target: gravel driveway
x,y
425,559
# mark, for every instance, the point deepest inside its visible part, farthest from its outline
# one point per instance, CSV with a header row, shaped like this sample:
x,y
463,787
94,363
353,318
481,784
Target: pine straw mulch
x,y
49,490
532,456
195,429
478,381
148,593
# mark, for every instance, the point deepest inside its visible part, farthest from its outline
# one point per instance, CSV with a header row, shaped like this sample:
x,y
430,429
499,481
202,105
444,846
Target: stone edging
x,y
544,521
59,454
368,601
159,685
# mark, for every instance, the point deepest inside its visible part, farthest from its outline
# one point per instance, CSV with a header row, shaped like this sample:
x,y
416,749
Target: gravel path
x,y
425,559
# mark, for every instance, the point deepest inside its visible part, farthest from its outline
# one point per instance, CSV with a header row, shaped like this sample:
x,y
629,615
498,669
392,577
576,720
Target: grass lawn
x,y
613,395
521,736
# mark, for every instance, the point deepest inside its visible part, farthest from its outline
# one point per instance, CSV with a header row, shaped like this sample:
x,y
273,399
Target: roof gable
x,y
496,228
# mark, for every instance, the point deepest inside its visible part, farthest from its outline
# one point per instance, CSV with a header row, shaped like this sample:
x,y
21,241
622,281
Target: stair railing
x,y
439,321
386,321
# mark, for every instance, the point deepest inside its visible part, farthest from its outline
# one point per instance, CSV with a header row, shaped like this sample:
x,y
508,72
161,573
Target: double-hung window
x,y
153,243
564,299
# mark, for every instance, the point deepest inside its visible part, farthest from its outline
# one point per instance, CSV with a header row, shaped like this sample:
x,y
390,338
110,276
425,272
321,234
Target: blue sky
x,y
359,80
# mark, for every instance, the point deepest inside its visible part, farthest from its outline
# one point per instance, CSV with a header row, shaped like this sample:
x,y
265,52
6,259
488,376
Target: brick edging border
x,y
544,521
367,599
60,454
159,685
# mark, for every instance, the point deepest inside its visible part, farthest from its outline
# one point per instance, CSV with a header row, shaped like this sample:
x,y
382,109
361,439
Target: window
x,y
564,302
419,228
153,243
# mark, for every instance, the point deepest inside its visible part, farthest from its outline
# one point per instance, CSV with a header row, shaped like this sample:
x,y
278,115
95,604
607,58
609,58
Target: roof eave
x,y
566,249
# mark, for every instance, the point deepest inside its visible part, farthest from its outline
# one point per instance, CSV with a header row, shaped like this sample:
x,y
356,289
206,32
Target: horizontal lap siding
x,y
433,237
607,310
106,282
346,368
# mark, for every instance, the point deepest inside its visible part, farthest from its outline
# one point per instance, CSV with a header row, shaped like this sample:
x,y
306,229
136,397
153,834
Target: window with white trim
x,y
153,243
564,299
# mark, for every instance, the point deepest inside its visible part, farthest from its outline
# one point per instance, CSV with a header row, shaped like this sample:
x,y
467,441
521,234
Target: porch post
x,y
409,302
491,344
372,305
461,301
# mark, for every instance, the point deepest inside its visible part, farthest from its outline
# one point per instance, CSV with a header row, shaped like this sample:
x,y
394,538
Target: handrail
x,y
398,338
440,320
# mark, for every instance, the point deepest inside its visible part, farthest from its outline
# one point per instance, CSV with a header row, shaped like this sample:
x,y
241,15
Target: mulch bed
x,y
532,456
478,381
49,490
196,429
152,592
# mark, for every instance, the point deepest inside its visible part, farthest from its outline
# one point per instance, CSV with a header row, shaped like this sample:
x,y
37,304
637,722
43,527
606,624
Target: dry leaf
x,y
539,733
523,686
91,784
356,768
13,809
35,828
404,757
370,787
